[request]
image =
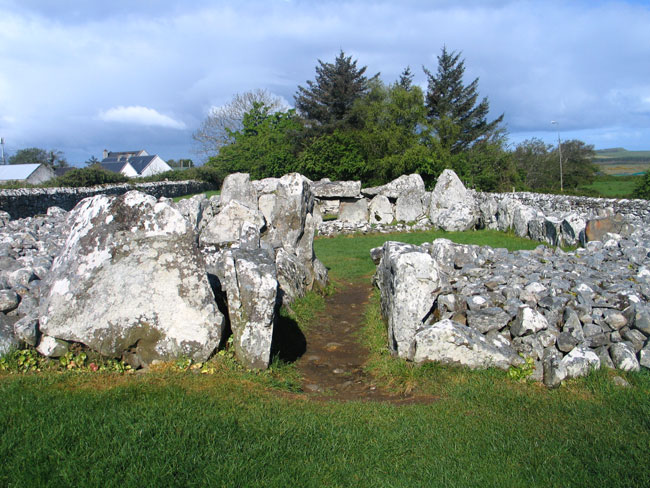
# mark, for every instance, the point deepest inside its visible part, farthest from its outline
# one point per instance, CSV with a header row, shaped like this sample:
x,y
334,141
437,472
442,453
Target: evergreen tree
x,y
452,110
406,79
327,101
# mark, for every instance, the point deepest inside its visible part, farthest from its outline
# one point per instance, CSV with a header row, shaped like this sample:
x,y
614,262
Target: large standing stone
x,y
596,229
408,207
238,186
354,212
452,207
130,278
380,210
193,208
252,290
226,227
409,280
450,342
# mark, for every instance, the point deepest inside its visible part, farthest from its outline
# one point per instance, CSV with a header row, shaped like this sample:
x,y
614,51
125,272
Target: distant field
x,y
619,161
609,186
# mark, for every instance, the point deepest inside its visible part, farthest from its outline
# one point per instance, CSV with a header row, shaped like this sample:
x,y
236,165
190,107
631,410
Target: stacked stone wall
x,y
28,202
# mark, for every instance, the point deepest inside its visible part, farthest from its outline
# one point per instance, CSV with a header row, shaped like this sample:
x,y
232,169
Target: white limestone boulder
x,y
130,279
380,210
225,228
452,207
409,280
251,287
450,342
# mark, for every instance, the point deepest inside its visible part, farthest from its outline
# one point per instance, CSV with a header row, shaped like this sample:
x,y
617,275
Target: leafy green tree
x,y
327,101
35,155
218,128
389,132
452,109
31,155
643,189
264,147
577,163
337,156
538,164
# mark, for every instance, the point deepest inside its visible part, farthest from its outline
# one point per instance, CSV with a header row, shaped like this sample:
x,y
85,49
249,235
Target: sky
x,y
81,76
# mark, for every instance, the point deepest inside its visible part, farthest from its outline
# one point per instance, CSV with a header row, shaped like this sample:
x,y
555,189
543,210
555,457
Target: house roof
x,y
114,166
139,163
17,171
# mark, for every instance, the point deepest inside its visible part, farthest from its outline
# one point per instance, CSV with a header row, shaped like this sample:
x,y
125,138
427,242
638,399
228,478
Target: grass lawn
x,y
614,186
236,428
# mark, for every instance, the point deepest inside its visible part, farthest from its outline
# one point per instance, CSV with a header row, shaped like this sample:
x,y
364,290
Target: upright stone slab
x,y
131,279
452,207
409,281
380,210
238,186
252,289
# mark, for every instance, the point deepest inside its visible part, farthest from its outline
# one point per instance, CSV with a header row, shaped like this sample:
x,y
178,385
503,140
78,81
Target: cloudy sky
x,y
82,75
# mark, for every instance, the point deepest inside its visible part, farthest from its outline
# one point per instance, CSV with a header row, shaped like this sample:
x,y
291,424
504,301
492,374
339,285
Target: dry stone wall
x,y
28,202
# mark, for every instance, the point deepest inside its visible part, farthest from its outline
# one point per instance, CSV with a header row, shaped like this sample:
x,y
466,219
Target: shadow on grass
x,y
289,343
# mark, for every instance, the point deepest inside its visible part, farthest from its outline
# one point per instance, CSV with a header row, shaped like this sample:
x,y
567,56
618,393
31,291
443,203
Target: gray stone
x,y
554,369
452,207
192,209
400,186
130,277
354,212
644,356
570,229
580,362
487,319
238,186
450,342
566,342
624,357
635,337
528,321
380,210
408,207
408,280
8,340
252,290
225,228
52,347
521,218
605,358
336,189
9,300
26,330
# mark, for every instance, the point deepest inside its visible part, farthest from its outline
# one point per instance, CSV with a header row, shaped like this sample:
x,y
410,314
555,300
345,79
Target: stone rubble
x,y
570,311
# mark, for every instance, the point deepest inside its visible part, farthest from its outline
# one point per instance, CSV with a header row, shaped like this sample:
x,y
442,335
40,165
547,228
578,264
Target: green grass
x,y
239,428
348,257
185,430
608,186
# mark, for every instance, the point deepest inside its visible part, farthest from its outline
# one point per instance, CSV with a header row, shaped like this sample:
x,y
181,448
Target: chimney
x,y
105,154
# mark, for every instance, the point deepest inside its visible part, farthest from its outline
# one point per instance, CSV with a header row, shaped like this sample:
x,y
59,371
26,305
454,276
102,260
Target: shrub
x,y
91,176
643,190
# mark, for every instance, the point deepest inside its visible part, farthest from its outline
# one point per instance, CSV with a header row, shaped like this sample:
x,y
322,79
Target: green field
x,y
608,186
619,161
235,428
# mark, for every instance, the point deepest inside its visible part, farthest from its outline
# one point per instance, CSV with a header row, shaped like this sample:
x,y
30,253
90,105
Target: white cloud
x,y
141,116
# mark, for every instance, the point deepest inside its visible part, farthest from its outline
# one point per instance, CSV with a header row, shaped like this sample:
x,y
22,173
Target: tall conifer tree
x,y
327,101
452,110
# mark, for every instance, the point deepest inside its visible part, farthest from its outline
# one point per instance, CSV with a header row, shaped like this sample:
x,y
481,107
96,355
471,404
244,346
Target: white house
x,y
29,173
134,163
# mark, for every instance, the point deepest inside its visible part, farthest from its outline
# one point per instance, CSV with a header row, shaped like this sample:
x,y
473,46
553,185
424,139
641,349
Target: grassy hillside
x,y
619,161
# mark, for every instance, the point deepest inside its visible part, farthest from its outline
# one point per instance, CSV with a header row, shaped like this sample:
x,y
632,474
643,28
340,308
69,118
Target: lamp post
x,y
559,149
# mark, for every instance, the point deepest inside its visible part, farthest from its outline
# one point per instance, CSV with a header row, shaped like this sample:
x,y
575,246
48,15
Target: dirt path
x,y
332,365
